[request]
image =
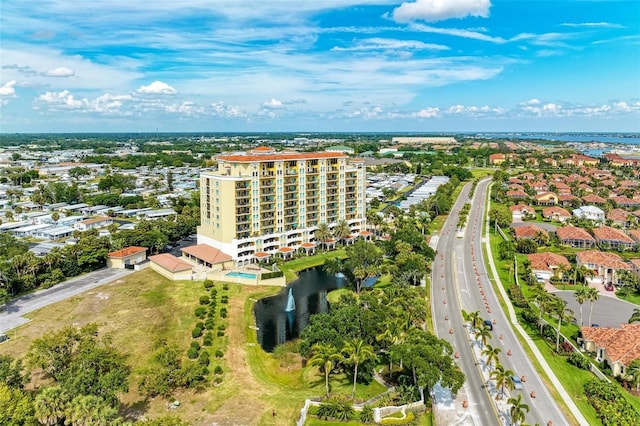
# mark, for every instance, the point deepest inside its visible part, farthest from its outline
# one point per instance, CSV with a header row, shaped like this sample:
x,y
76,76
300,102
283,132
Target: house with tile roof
x,y
610,238
546,199
171,267
635,266
497,159
556,214
621,218
634,234
522,211
547,264
517,194
618,347
208,257
605,265
573,236
593,199
127,257
528,232
625,202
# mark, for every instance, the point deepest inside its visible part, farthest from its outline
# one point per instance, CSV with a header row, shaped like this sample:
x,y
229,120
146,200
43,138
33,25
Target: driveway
x,y
607,311
12,313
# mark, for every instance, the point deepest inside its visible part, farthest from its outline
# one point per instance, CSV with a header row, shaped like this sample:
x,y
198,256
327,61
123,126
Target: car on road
x,y
517,383
488,324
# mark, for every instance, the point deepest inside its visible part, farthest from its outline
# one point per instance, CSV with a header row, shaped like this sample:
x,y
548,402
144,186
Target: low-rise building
x,y
171,267
126,257
93,223
556,214
611,238
547,264
604,265
593,213
618,347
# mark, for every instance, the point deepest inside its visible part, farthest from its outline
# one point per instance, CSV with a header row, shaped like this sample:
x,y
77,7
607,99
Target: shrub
x,y
612,407
220,333
529,316
225,286
196,332
204,300
195,345
199,324
217,370
209,323
207,340
396,421
566,348
224,299
517,297
192,353
223,312
269,275
200,311
204,359
219,353
217,380
366,415
207,284
579,361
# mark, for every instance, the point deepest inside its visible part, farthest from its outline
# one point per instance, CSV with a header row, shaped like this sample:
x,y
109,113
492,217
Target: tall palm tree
x,y
473,318
324,356
581,297
356,352
543,298
341,230
492,355
323,234
483,334
423,220
503,378
592,296
517,410
560,309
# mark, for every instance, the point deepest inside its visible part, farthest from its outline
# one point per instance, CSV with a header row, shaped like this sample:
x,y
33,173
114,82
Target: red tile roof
x,y
127,251
282,156
607,233
571,232
593,199
551,211
528,231
207,253
170,262
601,258
546,261
621,344
635,234
522,207
618,215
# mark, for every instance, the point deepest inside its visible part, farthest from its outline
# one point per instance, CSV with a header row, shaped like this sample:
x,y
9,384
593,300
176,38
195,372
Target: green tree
x,y
341,230
483,334
325,356
50,405
581,297
363,258
503,378
16,407
592,296
323,234
635,316
492,355
560,309
518,410
356,352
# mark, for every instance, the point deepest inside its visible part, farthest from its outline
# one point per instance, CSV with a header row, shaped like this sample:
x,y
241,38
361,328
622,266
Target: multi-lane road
x,y
460,281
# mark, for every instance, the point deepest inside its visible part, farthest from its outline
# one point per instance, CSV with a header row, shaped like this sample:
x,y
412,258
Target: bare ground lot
x,y
144,307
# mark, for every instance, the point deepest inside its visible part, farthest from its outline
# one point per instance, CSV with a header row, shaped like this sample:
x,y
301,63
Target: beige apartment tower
x,y
262,201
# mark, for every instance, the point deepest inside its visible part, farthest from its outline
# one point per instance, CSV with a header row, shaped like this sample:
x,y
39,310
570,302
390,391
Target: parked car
x,y
609,287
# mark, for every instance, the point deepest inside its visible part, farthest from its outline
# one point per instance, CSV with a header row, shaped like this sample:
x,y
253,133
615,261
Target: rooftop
x,y
170,262
546,261
622,344
600,258
207,253
571,232
607,233
127,251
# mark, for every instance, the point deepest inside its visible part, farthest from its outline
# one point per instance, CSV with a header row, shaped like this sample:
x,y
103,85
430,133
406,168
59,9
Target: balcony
x,y
243,210
267,216
267,199
312,170
289,181
267,174
268,191
266,223
241,185
268,207
243,219
290,188
267,183
242,193
291,212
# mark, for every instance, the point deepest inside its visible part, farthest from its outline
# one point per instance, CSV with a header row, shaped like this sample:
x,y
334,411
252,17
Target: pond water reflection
x,y
282,317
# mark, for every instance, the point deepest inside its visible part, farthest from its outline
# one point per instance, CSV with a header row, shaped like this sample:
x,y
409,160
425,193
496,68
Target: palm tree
x,y
483,334
503,378
356,351
323,234
473,318
581,297
635,316
517,410
341,230
592,296
50,405
492,355
634,371
423,220
559,308
543,299
324,356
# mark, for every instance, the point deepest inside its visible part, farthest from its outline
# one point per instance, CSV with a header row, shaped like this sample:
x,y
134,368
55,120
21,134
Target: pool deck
x,y
247,269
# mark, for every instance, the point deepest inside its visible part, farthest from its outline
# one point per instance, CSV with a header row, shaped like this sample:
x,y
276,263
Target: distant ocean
x,y
623,139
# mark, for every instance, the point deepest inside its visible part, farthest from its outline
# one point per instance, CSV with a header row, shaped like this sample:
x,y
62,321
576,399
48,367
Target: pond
x,y
282,317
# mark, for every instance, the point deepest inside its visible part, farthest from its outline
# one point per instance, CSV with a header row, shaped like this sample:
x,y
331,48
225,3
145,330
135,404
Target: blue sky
x,y
319,65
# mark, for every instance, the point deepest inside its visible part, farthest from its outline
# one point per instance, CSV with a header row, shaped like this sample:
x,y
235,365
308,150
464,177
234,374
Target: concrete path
x,y
12,313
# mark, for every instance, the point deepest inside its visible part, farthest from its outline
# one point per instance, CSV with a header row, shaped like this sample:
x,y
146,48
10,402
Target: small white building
x,y
590,212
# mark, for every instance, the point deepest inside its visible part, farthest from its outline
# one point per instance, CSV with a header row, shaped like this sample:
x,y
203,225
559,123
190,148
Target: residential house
x,y
634,234
556,214
592,213
594,199
171,267
616,161
625,202
497,159
522,212
575,237
127,257
568,200
517,195
635,266
621,218
93,223
618,347
529,232
547,264
605,265
546,199
612,238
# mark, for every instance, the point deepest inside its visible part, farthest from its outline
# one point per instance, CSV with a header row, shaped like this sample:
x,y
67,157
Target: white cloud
x,y
438,10
273,103
157,88
564,109
60,72
220,109
390,44
429,112
592,25
7,92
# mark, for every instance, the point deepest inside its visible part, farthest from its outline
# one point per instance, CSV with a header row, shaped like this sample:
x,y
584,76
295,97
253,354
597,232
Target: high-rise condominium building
x,y
264,201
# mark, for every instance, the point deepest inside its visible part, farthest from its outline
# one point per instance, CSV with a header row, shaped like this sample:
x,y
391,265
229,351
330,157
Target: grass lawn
x,y
291,268
630,297
480,173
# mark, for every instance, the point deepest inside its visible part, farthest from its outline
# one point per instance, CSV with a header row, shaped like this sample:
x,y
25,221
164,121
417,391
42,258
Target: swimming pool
x,y
241,275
